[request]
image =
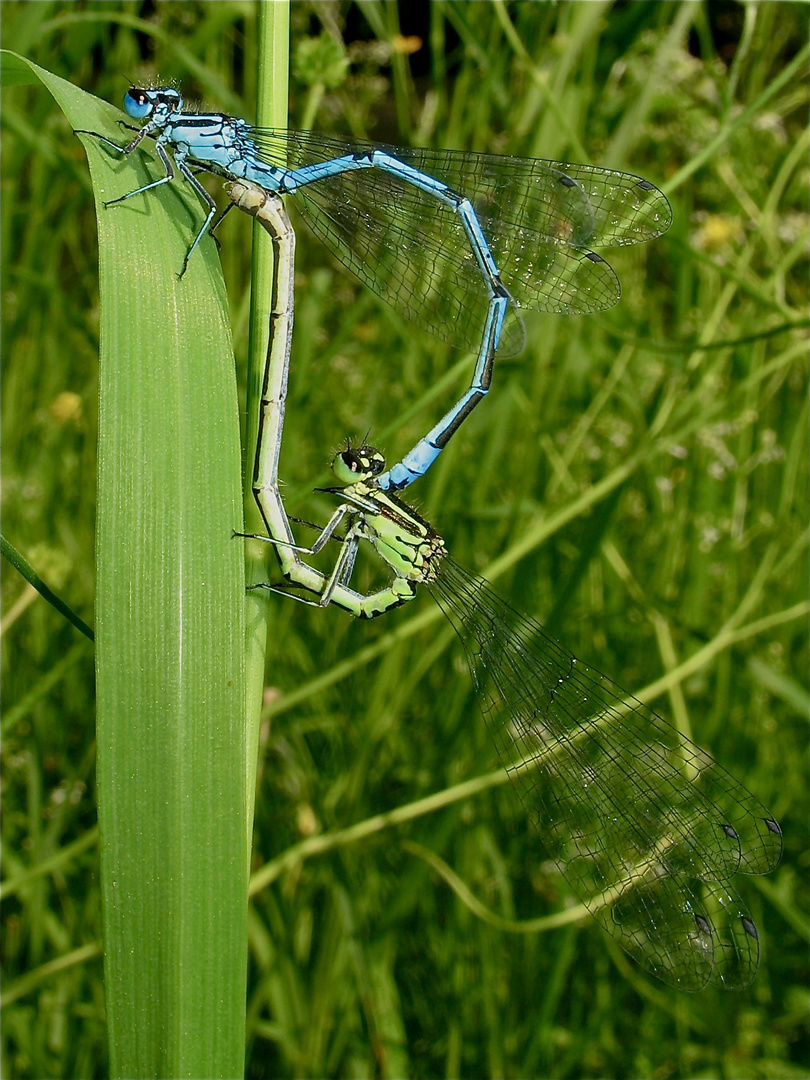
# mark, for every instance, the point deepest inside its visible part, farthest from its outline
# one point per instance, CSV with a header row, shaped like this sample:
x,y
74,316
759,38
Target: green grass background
x,y
641,476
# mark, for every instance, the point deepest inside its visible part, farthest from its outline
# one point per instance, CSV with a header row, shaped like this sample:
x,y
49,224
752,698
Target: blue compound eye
x,y
138,103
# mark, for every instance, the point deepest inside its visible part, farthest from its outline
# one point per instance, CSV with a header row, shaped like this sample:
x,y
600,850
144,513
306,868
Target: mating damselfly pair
x,y
645,826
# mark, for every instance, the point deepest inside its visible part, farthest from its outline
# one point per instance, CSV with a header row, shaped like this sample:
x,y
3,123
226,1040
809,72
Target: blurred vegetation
x,y
688,402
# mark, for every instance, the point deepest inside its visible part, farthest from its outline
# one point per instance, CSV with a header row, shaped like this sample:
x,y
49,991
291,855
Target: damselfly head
x,y
141,103
358,463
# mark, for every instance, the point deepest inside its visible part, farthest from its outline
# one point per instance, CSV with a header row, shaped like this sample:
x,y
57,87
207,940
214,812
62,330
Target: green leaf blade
x,y
169,628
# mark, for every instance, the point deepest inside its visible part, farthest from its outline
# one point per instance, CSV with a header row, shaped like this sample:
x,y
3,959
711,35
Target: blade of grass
x,y
21,564
169,629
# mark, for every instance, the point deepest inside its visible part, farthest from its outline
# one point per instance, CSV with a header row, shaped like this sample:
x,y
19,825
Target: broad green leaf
x,y
169,624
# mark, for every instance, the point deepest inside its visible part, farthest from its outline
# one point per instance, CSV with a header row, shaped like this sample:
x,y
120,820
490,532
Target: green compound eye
x,y
358,463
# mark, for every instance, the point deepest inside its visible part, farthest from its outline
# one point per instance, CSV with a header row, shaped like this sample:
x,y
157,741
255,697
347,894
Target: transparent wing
x,y
539,218
645,826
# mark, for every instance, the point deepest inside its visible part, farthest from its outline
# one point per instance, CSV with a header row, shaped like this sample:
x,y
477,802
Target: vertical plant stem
x,y
271,111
